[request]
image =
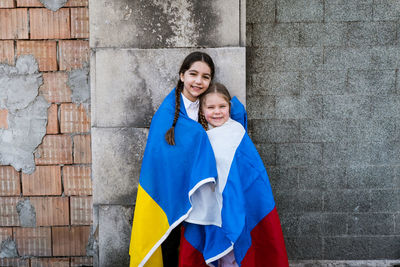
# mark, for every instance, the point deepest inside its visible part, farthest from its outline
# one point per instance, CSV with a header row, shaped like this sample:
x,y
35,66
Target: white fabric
x,y
192,108
224,141
207,200
206,207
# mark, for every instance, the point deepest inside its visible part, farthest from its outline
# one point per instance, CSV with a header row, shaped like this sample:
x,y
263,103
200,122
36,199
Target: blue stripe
x,y
168,173
247,199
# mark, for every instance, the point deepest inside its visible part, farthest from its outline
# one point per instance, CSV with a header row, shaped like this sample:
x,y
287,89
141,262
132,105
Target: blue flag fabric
x,y
168,177
247,202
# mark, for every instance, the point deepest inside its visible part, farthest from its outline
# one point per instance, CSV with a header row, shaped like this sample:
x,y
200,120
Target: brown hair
x,y
186,64
213,88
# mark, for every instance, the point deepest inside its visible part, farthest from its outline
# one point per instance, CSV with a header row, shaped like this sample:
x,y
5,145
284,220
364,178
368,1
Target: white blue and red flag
x,y
250,223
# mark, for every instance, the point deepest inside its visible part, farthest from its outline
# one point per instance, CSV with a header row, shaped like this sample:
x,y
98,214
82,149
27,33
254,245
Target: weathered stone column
x,y
137,48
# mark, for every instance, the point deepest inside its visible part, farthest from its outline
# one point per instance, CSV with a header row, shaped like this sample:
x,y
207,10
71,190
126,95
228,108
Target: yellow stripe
x,y
150,223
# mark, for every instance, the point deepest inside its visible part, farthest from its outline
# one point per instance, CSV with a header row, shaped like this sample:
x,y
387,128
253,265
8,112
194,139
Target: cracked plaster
x,y
92,245
8,249
181,20
27,113
161,24
53,5
78,81
26,213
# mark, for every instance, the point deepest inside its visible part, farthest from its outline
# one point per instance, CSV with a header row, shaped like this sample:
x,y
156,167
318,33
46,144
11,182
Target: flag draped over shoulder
x,y
169,176
250,223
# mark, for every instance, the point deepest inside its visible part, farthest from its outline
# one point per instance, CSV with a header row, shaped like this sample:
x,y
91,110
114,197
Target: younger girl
x,y
250,233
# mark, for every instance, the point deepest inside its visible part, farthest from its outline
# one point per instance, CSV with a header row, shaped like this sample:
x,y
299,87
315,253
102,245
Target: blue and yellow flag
x,y
168,177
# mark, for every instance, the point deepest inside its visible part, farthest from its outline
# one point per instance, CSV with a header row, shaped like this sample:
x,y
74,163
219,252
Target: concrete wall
x,y
324,109
137,48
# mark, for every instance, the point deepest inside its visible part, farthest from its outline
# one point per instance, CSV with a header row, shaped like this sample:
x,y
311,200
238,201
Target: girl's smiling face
x,y
215,109
196,80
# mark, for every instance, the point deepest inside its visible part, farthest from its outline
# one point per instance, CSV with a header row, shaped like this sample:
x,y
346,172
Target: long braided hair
x,y
186,64
213,88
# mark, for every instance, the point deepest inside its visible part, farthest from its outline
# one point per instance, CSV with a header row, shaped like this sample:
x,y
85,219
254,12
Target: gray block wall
x,y
323,98
137,48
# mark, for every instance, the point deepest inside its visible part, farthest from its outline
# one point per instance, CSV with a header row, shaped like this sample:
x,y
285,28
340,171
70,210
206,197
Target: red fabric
x,y
267,247
267,244
188,255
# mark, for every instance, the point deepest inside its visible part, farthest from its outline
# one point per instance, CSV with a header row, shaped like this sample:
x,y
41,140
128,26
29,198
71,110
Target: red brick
x,y
82,151
72,3
8,211
3,119
7,52
33,241
9,181
50,262
51,210
5,232
29,3
73,54
74,119
55,88
52,120
46,180
14,262
55,149
7,4
81,261
70,241
47,24
79,23
77,180
81,211
14,23
45,53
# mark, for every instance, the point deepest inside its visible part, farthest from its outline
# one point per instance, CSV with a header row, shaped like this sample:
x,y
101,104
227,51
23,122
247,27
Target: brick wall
x,y
60,189
324,110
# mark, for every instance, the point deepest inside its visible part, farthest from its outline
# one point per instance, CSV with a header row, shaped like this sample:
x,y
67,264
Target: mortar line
x,y
240,23
20,182
73,154
62,180
15,51
57,55
373,11
70,23
69,211
29,23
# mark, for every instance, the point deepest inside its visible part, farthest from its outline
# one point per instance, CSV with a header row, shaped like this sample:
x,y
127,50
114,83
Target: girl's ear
x,y
181,76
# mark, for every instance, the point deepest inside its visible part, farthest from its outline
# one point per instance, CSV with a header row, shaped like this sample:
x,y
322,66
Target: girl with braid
x,y
194,79
178,162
